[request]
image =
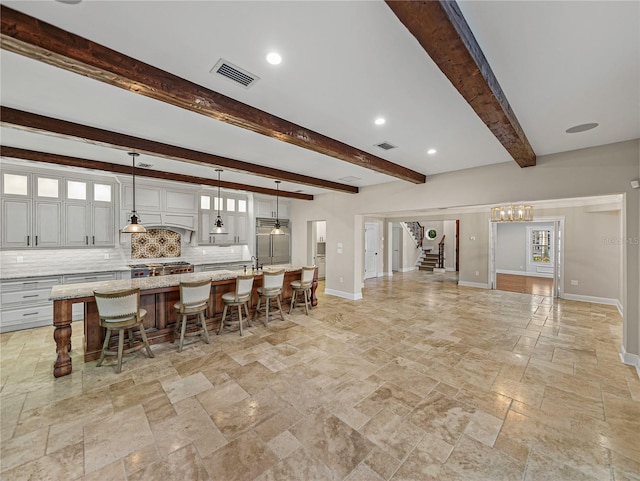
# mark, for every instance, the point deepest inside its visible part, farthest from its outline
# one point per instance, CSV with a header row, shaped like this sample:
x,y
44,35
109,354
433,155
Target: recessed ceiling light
x,y
431,151
274,58
581,128
379,121
350,178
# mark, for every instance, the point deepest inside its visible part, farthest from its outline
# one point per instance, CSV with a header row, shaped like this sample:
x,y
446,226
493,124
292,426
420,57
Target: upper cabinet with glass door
x,y
31,210
233,209
89,213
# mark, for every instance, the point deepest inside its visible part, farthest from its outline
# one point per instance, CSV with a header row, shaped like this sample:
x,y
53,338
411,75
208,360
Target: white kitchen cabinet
x,y
269,208
233,212
31,211
25,303
16,223
89,214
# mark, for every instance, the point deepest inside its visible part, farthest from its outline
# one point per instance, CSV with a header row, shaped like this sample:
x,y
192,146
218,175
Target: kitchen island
x,y
157,296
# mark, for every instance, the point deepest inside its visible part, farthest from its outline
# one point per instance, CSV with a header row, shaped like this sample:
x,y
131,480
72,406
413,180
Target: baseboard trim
x,y
630,359
478,285
620,308
595,300
344,295
408,269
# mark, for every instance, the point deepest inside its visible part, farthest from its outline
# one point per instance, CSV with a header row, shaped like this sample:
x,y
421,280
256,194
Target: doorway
x,y
370,250
395,249
527,257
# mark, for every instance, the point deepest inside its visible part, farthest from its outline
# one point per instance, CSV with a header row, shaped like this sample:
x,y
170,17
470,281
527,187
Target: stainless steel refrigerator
x,y
272,249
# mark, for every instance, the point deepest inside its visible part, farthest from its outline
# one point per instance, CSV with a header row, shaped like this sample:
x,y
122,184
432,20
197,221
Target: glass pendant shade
x,y
134,227
218,227
277,230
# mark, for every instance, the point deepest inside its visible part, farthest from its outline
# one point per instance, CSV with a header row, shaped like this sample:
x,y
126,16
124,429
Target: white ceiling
x,y
344,63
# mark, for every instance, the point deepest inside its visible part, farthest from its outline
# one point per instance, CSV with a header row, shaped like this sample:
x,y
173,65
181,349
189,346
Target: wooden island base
x,y
159,322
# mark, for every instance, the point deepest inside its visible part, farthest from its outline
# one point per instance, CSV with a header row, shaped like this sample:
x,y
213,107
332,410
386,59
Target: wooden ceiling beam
x,y
38,123
28,36
442,31
24,154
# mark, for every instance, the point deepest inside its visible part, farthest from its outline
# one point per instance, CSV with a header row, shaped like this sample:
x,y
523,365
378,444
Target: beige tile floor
x,y
421,380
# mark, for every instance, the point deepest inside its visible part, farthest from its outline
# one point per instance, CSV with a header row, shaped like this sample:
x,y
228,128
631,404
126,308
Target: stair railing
x,y
441,253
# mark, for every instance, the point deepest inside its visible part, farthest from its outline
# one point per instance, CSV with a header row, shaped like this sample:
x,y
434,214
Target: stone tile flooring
x,y
421,380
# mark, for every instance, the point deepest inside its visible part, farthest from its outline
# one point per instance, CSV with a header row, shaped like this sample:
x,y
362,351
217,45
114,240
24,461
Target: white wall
x,y
511,249
599,170
449,229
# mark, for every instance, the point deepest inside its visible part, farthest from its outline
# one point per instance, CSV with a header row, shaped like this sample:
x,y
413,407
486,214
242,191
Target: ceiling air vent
x,y
234,73
386,146
144,165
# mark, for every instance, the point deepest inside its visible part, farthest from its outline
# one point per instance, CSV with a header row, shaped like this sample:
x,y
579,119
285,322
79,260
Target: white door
x,y
370,250
395,247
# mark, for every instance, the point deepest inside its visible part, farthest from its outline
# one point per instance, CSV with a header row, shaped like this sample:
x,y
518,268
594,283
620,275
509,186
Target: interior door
x,y
370,250
395,248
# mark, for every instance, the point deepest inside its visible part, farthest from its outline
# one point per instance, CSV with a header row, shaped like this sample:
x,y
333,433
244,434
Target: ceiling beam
x,y
28,36
442,31
24,154
33,122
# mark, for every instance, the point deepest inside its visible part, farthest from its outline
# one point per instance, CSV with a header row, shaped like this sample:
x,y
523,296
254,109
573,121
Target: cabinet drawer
x,y
97,277
26,318
31,296
35,283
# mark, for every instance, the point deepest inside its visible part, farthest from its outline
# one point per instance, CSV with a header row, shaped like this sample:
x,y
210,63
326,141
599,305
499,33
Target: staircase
x,y
427,261
416,231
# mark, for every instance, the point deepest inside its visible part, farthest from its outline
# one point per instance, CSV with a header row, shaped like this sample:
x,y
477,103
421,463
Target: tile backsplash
x,y
155,243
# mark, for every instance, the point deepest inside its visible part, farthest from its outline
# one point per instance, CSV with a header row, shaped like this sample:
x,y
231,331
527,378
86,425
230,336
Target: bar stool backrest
x,y
116,305
272,281
195,293
244,284
307,275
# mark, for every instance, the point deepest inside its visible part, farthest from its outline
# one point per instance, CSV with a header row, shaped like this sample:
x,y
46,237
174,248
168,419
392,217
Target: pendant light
x,y
133,227
276,228
218,228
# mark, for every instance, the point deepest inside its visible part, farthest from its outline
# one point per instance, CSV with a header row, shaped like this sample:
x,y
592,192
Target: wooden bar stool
x,y
271,289
240,298
120,310
194,299
303,286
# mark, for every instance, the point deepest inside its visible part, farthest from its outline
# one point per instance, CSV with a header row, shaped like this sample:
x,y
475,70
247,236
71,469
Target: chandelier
x,y
512,213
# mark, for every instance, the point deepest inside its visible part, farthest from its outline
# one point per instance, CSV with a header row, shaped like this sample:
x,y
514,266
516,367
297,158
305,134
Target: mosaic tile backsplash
x,y
155,243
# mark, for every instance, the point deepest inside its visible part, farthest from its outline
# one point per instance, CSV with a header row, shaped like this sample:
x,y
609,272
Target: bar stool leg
x,y
120,349
183,328
143,334
224,315
240,317
280,307
105,345
204,327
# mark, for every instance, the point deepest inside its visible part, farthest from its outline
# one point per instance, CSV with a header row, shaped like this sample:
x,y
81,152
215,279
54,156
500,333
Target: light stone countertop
x,y
73,291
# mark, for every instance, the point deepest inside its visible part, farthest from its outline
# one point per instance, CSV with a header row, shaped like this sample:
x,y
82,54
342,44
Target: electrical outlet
x,y
477,273
106,257
341,279
20,259
574,282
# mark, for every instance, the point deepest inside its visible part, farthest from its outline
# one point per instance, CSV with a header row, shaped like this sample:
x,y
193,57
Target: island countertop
x,y
85,289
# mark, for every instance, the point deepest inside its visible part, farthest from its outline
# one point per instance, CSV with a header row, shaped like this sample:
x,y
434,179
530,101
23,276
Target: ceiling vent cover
x,y
386,146
234,73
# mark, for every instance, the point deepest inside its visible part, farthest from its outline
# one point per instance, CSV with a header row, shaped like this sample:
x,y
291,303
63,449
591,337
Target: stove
x,y
160,269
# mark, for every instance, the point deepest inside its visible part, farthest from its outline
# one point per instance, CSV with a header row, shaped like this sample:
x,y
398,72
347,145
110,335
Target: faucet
x,y
254,267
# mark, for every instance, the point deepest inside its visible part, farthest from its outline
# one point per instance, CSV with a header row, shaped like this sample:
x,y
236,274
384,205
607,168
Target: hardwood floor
x,y
421,380
539,286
